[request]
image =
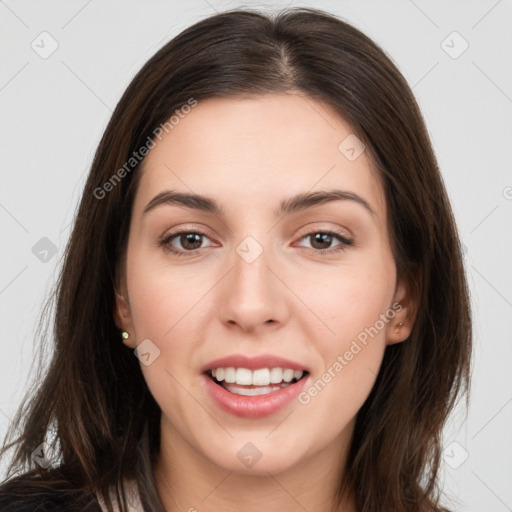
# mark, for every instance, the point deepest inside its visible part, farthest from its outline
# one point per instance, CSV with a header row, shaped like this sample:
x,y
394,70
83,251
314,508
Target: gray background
x,y
55,109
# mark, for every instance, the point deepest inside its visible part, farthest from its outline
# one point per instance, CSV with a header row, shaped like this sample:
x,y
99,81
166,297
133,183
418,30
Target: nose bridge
x,y
253,295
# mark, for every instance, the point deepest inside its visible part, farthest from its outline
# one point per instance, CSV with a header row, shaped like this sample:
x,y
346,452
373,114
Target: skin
x,y
249,154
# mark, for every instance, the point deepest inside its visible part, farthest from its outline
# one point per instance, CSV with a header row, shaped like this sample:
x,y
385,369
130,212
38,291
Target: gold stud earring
x,y
397,328
125,335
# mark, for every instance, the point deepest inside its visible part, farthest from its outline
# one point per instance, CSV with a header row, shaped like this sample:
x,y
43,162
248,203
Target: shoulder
x,y
29,493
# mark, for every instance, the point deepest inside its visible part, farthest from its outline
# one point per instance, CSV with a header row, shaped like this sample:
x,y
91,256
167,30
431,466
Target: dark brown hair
x,y
93,393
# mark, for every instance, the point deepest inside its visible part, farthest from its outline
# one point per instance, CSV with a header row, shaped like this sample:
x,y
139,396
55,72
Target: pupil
x,y
191,238
322,238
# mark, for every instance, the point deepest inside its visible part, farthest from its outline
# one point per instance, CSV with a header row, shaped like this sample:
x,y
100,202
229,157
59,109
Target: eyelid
x,y
309,230
201,230
304,231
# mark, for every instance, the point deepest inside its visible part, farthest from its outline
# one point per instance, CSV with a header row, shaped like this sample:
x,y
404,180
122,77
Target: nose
x,y
253,297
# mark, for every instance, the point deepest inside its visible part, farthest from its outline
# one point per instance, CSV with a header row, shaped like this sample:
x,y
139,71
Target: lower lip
x,y
253,406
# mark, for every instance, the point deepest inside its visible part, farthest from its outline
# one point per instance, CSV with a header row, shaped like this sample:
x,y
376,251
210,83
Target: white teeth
x,y
288,375
276,375
243,376
230,375
259,377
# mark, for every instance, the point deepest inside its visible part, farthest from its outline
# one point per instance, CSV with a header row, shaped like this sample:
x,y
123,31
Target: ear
x,y
123,316
405,307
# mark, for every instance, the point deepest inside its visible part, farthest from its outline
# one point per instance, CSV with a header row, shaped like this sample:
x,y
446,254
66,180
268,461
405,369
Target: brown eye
x,y
183,242
321,240
190,241
327,241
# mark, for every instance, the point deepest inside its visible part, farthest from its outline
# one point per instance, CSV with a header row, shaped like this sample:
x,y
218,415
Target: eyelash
x,y
344,242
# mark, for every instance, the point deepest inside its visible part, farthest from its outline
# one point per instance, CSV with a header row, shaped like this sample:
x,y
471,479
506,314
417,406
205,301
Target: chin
x,y
258,457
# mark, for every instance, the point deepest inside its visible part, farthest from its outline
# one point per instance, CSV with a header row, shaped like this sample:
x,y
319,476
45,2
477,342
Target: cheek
x,y
351,339
162,307
161,299
162,310
346,301
357,309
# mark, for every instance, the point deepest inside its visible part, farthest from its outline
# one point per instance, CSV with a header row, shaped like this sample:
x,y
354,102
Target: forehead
x,y
256,151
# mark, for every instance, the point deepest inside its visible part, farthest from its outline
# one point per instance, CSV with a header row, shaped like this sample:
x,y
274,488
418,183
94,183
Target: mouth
x,y
261,381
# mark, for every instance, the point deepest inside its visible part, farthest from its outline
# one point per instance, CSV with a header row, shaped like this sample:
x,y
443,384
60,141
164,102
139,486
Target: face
x,y
273,277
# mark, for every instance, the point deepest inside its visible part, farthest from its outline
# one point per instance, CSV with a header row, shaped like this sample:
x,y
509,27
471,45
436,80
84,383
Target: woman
x,y
266,230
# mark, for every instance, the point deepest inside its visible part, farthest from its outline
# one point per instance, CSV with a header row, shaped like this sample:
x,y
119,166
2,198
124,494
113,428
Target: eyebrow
x,y
294,204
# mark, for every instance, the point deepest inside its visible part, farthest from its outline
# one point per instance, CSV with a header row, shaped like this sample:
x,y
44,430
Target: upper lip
x,y
253,363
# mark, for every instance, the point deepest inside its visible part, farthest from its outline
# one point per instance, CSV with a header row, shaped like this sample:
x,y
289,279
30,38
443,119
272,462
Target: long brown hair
x,y
106,422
